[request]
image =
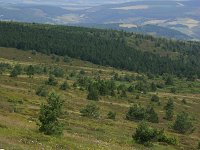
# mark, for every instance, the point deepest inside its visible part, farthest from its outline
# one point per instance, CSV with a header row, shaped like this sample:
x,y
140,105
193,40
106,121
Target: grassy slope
x,y
18,130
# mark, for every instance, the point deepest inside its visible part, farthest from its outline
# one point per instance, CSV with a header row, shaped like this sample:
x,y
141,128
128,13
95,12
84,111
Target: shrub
x,y
57,59
160,85
93,92
64,86
93,95
58,72
169,81
162,137
17,70
141,86
131,88
4,67
111,115
184,101
152,115
146,135
136,112
183,123
153,87
51,81
169,110
42,91
66,59
30,71
137,97
49,114
173,90
33,52
199,145
123,94
155,98
91,111
82,72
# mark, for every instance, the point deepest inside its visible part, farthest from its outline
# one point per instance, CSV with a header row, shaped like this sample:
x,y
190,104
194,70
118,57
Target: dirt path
x,y
13,87
196,97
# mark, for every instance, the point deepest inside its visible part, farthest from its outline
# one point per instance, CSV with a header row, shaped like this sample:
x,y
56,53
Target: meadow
x,y
20,106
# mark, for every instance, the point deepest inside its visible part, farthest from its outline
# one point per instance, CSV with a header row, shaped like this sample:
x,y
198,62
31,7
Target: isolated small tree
x,y
153,87
58,72
155,98
17,70
91,111
34,52
173,90
136,112
66,59
152,116
49,116
93,92
111,115
30,71
57,59
42,91
183,123
137,97
169,81
64,86
123,93
51,81
82,72
131,88
144,134
169,108
184,101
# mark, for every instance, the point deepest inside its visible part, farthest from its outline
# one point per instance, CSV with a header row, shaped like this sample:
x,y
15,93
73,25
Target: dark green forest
x,y
104,47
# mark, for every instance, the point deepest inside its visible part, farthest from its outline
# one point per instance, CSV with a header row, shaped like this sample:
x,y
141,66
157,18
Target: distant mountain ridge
x,y
153,30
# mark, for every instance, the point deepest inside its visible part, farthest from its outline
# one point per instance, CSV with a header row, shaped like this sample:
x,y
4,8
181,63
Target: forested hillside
x,y
106,47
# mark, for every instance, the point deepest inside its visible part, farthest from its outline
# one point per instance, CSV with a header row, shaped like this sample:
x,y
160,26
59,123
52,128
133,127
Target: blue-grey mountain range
x,y
179,19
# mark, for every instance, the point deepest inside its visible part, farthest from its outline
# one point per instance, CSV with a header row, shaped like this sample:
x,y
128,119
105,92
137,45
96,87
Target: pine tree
x,y
30,71
49,115
64,86
152,115
93,92
153,87
183,123
17,70
169,108
51,81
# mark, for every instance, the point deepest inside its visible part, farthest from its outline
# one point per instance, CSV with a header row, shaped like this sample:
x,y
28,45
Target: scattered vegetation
x,y
127,94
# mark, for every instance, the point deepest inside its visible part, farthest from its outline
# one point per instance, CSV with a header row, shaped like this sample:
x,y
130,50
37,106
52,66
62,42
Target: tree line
x,y
103,47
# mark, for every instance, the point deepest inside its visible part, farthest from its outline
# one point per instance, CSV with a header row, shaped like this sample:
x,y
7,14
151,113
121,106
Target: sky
x,y
73,2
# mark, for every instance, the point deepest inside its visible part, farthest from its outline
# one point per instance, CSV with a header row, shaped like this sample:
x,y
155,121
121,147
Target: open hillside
x,y
119,99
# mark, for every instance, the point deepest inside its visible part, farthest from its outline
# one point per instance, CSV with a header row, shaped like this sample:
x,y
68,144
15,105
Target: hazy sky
x,y
80,2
